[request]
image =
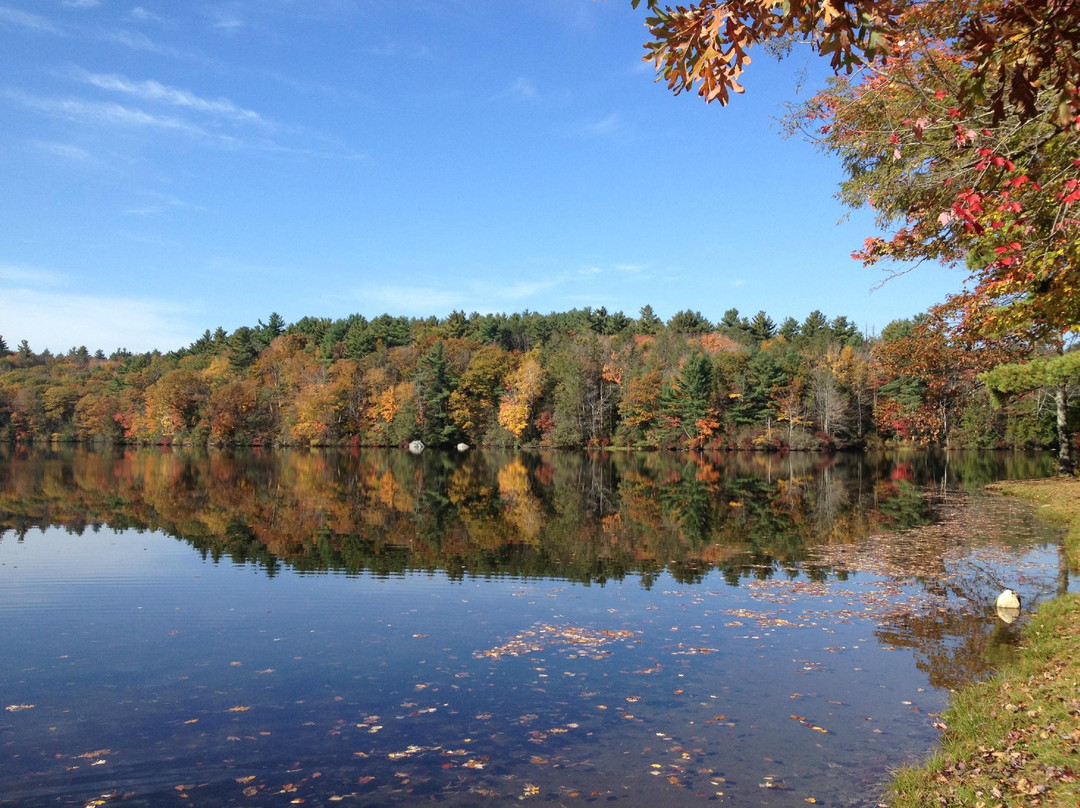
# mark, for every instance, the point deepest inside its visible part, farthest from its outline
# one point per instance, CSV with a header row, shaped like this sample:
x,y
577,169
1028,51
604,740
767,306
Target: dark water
x,y
372,628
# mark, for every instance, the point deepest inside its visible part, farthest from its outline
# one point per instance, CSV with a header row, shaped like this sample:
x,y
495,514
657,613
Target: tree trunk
x,y
1065,461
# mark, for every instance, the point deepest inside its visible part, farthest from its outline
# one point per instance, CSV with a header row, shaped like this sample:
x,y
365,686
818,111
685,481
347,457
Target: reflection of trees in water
x,y
585,517
955,569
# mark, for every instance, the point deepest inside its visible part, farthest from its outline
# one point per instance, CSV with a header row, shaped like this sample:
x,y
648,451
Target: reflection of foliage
x,y
952,645
901,503
952,585
586,518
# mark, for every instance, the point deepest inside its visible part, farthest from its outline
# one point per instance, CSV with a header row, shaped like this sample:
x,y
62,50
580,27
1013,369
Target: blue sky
x,y
170,167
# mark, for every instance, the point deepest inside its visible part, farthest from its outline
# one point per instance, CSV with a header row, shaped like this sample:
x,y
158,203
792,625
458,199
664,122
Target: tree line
x,y
581,378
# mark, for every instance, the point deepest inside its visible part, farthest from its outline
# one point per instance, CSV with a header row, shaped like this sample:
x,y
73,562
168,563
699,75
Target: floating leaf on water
x,y
240,708
14,708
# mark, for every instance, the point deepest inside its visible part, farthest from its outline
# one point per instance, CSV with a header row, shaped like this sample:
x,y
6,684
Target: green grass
x,y
1015,740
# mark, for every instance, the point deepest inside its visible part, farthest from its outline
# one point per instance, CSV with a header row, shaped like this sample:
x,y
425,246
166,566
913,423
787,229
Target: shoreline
x,y
1015,739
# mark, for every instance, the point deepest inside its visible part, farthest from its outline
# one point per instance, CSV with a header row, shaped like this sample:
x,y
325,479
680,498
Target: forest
x,y
582,378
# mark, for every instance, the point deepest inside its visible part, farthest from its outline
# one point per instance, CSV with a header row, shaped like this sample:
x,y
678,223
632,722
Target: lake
x,y
273,628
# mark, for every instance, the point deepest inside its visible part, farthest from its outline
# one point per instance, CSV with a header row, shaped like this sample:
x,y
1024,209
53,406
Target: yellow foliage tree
x,y
524,387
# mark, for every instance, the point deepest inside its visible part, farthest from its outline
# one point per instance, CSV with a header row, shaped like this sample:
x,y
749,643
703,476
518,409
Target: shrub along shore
x,y
1015,740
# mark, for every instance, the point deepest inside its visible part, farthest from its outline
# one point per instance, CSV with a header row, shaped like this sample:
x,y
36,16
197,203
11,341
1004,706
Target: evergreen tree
x,y
434,386
689,322
648,322
789,329
845,332
815,328
686,399
79,356
734,326
762,327
204,344
243,348
314,328
275,325
762,376
456,325
489,329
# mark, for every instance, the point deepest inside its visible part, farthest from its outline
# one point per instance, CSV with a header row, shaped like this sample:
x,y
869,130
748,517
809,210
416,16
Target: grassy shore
x,y
1015,740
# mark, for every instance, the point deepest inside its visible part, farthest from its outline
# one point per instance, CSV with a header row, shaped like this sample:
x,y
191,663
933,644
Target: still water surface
x,y
370,628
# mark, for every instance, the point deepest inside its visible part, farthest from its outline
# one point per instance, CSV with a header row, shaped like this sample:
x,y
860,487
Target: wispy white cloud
x,y
105,114
394,49
411,299
422,300
38,305
138,41
227,21
596,128
142,15
24,19
150,90
57,320
23,276
81,3
162,203
108,114
523,290
66,150
522,88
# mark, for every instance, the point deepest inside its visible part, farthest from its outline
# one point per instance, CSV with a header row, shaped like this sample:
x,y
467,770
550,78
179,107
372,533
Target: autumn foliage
x,y
581,378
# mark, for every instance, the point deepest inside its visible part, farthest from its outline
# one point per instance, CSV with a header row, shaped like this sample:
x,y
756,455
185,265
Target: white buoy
x,y
1007,606
1008,600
